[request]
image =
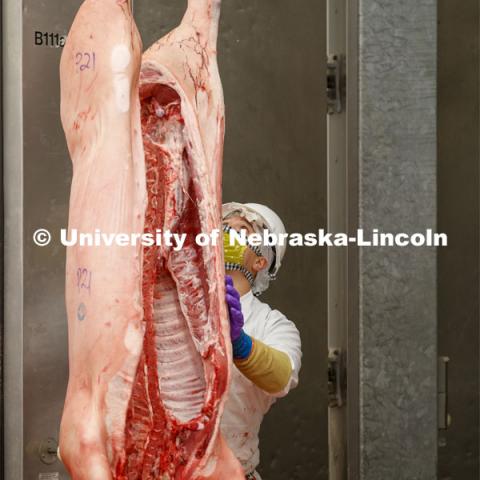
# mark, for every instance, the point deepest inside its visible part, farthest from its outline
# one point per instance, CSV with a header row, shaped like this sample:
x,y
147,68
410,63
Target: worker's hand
x,y
241,342
234,309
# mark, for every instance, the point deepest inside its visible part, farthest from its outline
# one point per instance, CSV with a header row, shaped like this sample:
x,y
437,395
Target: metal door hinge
x,y
336,378
444,419
336,83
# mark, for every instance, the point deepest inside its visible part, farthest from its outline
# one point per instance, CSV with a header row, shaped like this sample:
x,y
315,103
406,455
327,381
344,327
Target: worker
x,y
266,345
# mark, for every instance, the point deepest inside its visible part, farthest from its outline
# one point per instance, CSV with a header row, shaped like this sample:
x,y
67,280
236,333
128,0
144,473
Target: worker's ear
x,y
259,264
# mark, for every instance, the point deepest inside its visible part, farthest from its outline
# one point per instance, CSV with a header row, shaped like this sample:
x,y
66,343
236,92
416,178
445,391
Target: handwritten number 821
x,y
85,61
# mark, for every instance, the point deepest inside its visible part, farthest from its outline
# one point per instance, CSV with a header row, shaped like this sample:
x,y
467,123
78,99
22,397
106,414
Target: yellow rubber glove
x,y
268,368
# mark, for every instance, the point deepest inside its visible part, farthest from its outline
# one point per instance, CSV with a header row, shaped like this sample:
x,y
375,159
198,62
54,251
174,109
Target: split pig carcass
x,y
149,350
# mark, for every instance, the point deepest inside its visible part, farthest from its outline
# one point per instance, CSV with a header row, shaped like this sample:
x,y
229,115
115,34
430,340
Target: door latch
x,y
336,378
444,419
47,451
336,83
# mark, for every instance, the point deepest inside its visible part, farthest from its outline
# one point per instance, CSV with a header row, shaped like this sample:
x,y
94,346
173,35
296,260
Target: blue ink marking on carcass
x,y
85,61
81,312
84,279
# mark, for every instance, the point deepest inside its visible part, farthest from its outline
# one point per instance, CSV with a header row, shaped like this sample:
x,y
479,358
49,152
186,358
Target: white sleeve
x,y
282,334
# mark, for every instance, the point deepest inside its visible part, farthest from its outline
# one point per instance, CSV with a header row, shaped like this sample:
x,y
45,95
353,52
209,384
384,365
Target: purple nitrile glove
x,y
234,309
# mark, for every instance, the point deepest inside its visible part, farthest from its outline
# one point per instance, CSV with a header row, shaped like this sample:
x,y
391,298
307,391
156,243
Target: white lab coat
x,y
246,403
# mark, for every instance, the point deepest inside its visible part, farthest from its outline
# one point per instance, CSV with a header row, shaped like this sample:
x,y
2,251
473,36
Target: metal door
x,y
458,216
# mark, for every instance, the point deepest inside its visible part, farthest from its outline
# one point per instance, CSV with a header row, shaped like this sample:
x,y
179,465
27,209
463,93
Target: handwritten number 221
x,y
85,61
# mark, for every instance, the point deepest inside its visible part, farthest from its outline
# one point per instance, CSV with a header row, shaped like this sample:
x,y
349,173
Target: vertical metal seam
x,y
353,319
12,103
2,233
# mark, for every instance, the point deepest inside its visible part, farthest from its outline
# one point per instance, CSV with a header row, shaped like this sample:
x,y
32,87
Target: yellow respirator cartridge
x,y
234,253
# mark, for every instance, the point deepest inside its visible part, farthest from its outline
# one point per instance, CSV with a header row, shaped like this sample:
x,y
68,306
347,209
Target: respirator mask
x,y
234,253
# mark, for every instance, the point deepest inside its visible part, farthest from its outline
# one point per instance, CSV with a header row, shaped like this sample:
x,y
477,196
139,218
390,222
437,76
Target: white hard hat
x,y
264,218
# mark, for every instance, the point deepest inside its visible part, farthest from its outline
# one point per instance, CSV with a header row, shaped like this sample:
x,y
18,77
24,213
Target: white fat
x,y
96,472
109,452
120,58
119,62
133,340
90,430
121,86
209,468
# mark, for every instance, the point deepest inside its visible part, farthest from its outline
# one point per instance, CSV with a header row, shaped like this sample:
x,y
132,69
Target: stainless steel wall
x,y
272,60
398,187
